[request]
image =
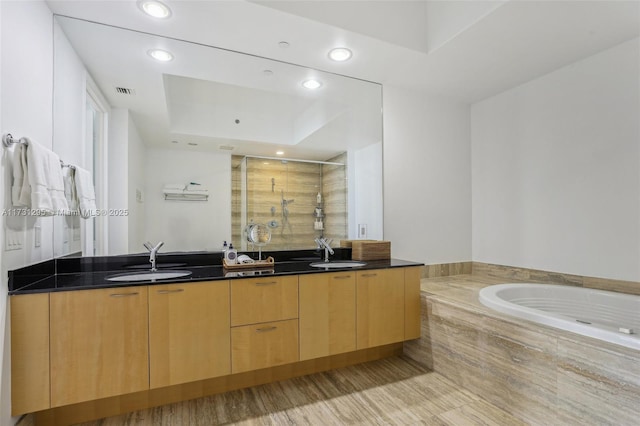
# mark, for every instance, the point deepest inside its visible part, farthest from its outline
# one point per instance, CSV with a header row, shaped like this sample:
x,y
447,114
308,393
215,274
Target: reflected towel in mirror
x,y
85,192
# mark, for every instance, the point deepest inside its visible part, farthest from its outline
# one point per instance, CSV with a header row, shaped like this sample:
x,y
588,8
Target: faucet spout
x,y
153,252
326,245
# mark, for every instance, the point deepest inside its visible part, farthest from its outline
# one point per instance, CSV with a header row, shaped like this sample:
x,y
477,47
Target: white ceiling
x,y
465,50
493,49
207,97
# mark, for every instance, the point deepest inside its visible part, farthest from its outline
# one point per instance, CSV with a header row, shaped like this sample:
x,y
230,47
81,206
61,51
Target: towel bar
x,y
8,139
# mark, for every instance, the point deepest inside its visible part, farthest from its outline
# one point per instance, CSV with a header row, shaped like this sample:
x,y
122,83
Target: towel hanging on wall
x,y
45,180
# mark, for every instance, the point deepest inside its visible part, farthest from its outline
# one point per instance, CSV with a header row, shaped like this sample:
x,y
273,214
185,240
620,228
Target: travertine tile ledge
x,y
461,291
538,374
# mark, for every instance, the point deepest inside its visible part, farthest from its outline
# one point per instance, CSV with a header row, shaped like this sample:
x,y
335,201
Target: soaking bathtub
x,y
605,315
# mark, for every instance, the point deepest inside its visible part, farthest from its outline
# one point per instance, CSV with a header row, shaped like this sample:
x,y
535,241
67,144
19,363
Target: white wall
x,y
26,67
118,153
427,184
69,111
555,170
188,225
136,182
365,193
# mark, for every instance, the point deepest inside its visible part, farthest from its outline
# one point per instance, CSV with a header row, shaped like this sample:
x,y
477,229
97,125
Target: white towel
x,y
85,192
175,186
70,188
18,166
170,191
45,180
196,189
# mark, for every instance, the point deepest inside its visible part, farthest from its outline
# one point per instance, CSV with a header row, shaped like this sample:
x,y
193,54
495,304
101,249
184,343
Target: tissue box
x,y
370,250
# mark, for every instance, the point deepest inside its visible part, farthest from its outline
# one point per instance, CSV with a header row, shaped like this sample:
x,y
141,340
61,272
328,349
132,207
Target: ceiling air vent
x,y
227,147
125,91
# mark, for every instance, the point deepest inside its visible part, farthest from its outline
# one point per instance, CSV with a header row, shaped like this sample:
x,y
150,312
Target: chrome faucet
x,y
326,245
153,252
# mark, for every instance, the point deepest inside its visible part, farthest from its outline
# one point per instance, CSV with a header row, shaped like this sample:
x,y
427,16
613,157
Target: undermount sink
x,y
338,264
148,276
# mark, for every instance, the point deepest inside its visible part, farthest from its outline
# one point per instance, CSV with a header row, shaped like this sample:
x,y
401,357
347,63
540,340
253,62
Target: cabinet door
x,y
380,307
29,353
189,336
256,300
411,303
327,314
264,345
99,344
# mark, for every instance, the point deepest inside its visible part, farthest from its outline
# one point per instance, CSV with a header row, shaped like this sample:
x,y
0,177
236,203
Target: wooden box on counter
x,y
368,249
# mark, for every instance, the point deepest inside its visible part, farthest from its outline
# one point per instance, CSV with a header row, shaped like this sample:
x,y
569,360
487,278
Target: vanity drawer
x,y
264,299
264,345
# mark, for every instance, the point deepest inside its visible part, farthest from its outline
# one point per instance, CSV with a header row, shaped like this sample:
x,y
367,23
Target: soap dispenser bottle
x,y
231,255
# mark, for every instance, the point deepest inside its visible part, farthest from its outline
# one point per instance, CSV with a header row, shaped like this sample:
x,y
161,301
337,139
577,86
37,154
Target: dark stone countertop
x,y
84,273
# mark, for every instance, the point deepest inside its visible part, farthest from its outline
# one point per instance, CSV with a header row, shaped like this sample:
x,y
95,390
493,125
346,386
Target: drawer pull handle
x,y
369,275
123,294
343,277
268,283
265,329
178,290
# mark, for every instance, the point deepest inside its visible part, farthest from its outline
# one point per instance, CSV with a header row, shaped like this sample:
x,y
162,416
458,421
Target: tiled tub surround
x,y
605,315
510,273
536,373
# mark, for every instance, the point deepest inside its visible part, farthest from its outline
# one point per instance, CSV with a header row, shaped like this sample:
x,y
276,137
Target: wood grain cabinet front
x,y
189,336
264,345
99,344
29,353
257,300
380,307
412,316
327,314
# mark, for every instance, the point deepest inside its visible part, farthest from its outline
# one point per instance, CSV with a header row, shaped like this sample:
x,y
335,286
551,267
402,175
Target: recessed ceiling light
x,y
279,152
267,73
154,8
174,142
160,55
283,44
192,143
311,84
340,54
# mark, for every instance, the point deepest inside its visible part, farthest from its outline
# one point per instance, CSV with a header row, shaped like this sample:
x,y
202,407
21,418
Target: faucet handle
x,y
148,246
157,247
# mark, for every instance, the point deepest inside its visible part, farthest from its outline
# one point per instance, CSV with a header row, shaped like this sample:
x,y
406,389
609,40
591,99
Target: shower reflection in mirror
x,y
284,195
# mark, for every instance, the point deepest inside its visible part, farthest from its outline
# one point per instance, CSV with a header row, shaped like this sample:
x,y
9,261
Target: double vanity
x,y
84,346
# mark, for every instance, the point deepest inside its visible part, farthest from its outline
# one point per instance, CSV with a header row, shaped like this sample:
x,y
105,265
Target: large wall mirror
x,y
192,150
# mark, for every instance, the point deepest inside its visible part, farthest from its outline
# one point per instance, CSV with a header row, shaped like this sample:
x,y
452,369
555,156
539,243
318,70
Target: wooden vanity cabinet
x,y
327,314
412,307
264,345
263,299
29,353
99,344
85,346
189,335
380,304
264,321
